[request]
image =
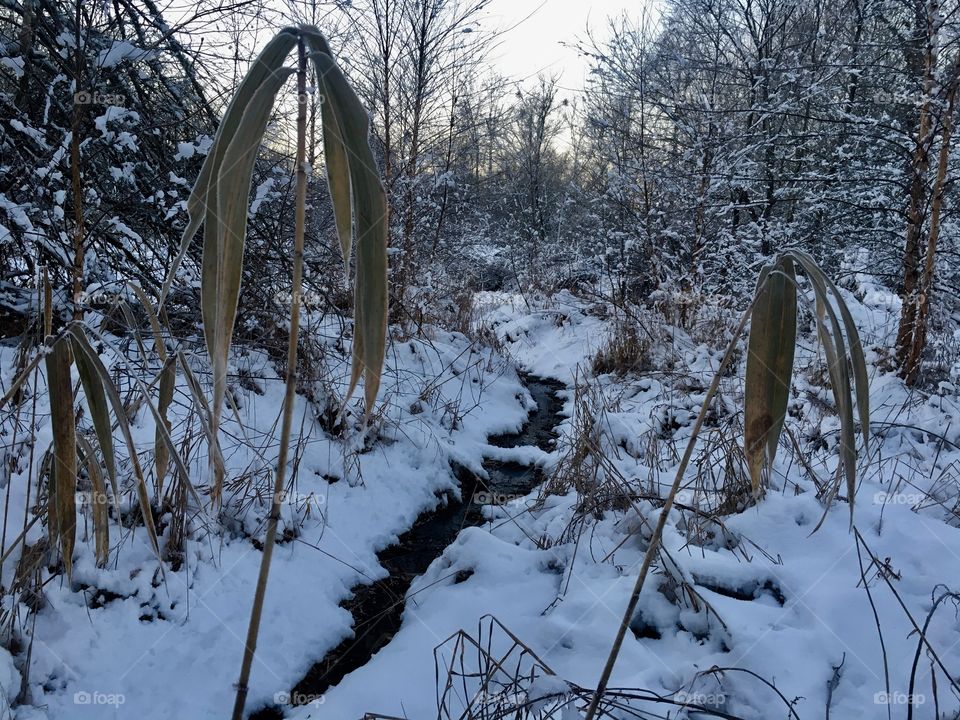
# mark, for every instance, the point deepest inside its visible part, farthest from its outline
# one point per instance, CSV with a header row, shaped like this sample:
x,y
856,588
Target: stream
x,y
377,608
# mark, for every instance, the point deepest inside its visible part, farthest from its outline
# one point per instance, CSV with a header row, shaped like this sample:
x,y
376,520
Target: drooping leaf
x,y
81,346
773,333
47,305
99,503
838,362
334,154
21,377
200,203
203,409
161,454
131,321
158,345
225,233
64,467
857,360
166,439
371,222
93,390
204,206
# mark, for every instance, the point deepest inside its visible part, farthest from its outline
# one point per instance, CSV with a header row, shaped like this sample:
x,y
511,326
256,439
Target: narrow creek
x,y
377,608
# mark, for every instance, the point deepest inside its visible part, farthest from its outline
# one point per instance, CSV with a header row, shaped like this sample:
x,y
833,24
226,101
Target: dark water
x,y
377,609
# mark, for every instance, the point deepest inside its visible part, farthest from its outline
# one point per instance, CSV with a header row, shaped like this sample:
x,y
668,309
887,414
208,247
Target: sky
x,y
539,29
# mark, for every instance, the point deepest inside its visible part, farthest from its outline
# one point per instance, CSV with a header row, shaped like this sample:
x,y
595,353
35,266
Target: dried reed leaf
x,y
838,363
161,454
64,467
99,504
95,394
773,333
81,346
200,205
370,215
334,155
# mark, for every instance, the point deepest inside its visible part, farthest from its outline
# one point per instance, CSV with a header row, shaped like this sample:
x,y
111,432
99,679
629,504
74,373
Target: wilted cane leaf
x,y
840,384
21,378
370,214
203,409
132,324
334,154
168,382
200,205
166,439
203,206
47,471
858,363
99,504
857,360
100,414
158,344
47,304
81,346
64,474
837,367
773,333
223,253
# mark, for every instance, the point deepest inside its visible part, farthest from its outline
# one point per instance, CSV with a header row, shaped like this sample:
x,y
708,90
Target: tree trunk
x,y
911,366
918,196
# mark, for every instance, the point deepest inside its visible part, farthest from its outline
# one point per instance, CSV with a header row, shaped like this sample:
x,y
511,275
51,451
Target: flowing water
x,y
377,608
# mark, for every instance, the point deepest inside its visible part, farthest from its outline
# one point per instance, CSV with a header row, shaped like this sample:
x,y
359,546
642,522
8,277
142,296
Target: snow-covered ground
x,y
756,594
170,644
749,612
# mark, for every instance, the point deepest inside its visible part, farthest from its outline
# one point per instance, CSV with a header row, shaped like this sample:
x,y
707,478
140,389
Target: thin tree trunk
x,y
918,196
918,341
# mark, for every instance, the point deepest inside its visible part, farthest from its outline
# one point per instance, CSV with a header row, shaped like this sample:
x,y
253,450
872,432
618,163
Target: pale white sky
x,y
536,43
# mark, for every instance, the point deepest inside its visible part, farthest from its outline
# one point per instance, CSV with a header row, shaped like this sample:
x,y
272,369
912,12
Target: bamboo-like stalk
x,y
289,395
772,339
662,520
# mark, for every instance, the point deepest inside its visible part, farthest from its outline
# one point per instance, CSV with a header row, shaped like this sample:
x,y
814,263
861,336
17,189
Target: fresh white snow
x,y
757,590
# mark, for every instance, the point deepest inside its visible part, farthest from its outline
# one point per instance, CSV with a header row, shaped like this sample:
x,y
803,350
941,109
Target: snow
x,y
755,590
163,627
185,150
550,341
9,683
118,116
35,134
119,51
14,64
563,601
263,190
